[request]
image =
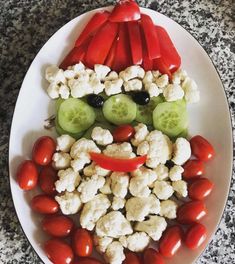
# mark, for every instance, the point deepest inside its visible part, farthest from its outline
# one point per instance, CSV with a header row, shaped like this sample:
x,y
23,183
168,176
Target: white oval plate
x,y
210,118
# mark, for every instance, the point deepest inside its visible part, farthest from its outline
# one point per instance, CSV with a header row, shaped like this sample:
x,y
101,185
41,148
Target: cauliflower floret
x,y
173,92
148,77
156,74
136,242
64,143
78,68
111,76
133,85
89,187
113,86
163,190
93,168
114,253
106,189
55,75
192,94
181,151
101,71
69,74
146,173
68,180
79,163
138,208
175,173
132,72
154,227
139,187
102,243
162,172
53,90
141,132
64,91
80,150
95,84
69,202
101,136
118,203
168,209
162,81
119,184
152,89
123,150
158,148
93,210
61,160
179,76
114,224
180,187
79,88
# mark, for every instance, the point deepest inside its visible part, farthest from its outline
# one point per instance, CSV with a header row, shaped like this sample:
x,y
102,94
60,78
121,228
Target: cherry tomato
x,y
47,179
44,204
192,169
82,243
58,225
171,241
27,175
43,150
195,236
201,148
87,261
151,256
191,212
123,133
131,258
58,251
200,189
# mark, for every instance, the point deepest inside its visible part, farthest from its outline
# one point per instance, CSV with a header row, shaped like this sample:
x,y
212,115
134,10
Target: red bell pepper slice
x,y
151,37
111,56
125,10
76,55
135,42
160,65
169,53
147,63
101,44
123,52
117,164
92,26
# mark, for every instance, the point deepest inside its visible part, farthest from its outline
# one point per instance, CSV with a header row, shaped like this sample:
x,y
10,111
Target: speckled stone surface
x,y
25,25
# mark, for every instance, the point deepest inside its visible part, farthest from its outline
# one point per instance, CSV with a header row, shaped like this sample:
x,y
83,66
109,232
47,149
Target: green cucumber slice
x,y
144,113
58,102
171,118
75,116
119,109
87,135
100,116
61,131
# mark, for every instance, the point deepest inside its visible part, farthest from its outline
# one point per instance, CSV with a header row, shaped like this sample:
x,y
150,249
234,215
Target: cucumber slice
x,y
58,102
75,116
171,118
100,116
61,131
144,113
119,109
87,135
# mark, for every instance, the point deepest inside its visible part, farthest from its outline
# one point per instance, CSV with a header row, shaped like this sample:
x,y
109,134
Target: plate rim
x,y
232,137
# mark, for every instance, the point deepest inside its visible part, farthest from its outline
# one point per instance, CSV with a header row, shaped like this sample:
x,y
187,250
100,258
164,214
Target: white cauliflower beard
x,y
136,242
114,253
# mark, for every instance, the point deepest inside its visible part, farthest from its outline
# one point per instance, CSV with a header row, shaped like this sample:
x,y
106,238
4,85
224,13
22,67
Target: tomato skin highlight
x,y
117,164
82,243
44,204
47,179
131,258
58,251
195,236
123,133
151,256
201,148
43,150
58,225
193,169
200,189
27,175
191,212
171,241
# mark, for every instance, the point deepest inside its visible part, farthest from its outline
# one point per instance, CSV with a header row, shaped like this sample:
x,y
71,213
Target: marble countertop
x,y
25,25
